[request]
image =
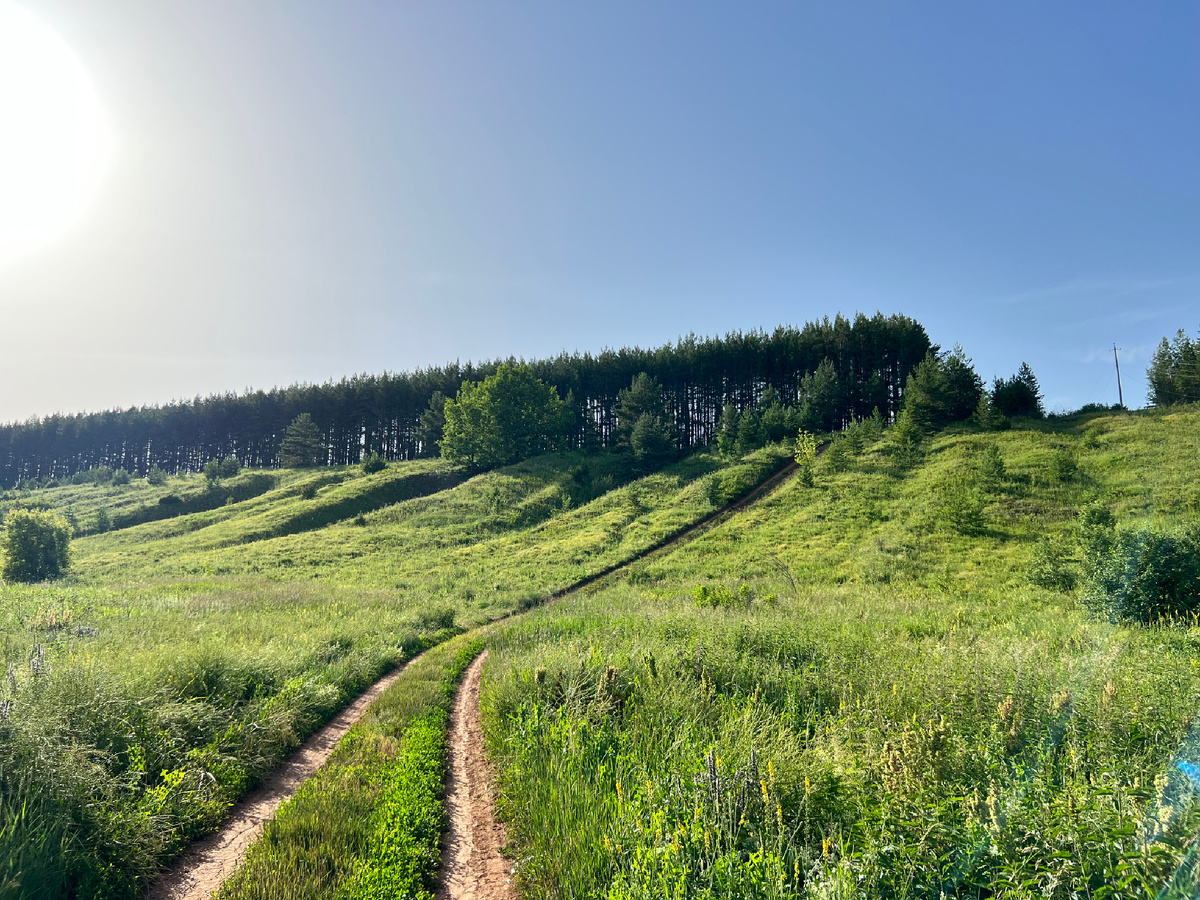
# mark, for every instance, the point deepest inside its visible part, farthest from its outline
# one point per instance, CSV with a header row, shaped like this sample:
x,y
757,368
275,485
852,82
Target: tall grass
x,y
918,719
141,697
369,823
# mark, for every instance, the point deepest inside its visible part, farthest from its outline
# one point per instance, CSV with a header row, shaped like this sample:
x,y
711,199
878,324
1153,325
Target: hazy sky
x,y
301,191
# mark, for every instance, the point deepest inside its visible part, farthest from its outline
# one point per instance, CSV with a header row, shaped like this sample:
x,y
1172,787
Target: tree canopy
x,y
1018,396
869,360
944,388
34,545
509,416
1174,372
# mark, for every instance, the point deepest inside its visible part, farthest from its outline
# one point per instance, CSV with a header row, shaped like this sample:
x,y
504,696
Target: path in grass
x,y
200,871
473,867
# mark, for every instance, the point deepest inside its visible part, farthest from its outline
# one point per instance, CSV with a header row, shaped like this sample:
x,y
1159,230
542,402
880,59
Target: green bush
x,y
36,545
837,457
721,596
373,462
120,476
229,467
156,476
1143,575
1063,467
991,467
806,456
960,506
1053,566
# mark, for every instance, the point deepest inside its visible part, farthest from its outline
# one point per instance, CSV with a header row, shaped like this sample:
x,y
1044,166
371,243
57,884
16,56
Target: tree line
x,y
843,367
1174,372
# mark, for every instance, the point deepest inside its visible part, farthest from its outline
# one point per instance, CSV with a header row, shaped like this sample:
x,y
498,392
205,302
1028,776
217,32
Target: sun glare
x,y
54,141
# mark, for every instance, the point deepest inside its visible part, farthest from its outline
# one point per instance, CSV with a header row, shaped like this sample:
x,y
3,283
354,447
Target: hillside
x,y
186,656
839,694
848,687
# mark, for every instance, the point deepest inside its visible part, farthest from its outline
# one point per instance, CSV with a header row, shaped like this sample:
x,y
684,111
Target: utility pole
x,y
1117,362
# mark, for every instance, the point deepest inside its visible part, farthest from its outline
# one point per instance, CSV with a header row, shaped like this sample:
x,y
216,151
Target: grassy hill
x,y
184,657
847,689
852,689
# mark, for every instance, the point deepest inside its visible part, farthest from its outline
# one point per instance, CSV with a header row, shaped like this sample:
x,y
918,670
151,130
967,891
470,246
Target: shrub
x,y
156,476
102,522
991,467
169,500
961,505
229,467
720,596
837,457
906,440
36,545
373,462
1145,576
806,456
1063,467
212,472
1097,530
120,476
100,475
308,490
1052,566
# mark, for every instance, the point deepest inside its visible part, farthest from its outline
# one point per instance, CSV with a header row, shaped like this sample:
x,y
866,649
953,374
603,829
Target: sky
x,y
303,191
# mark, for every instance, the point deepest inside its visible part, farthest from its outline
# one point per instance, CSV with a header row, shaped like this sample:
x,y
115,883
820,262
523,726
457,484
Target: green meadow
x,y
881,684
186,655
854,690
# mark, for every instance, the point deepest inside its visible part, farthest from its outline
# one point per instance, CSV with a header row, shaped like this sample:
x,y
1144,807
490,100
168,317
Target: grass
x,y
184,657
848,690
369,823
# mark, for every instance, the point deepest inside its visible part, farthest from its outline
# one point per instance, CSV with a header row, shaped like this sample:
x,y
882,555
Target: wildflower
x,y
779,813
807,784
993,806
1004,708
620,792
763,785
826,843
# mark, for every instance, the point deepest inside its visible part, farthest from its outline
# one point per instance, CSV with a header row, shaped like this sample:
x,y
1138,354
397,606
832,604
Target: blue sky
x,y
306,190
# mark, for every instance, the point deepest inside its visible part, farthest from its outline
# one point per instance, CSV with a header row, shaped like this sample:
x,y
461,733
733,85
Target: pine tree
x,y
644,396
301,446
728,433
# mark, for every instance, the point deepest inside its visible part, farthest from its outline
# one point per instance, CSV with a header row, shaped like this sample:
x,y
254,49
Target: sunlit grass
x,y
917,718
185,657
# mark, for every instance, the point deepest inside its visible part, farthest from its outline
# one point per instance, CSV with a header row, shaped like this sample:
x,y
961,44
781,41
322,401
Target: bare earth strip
x,y
472,865
201,870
